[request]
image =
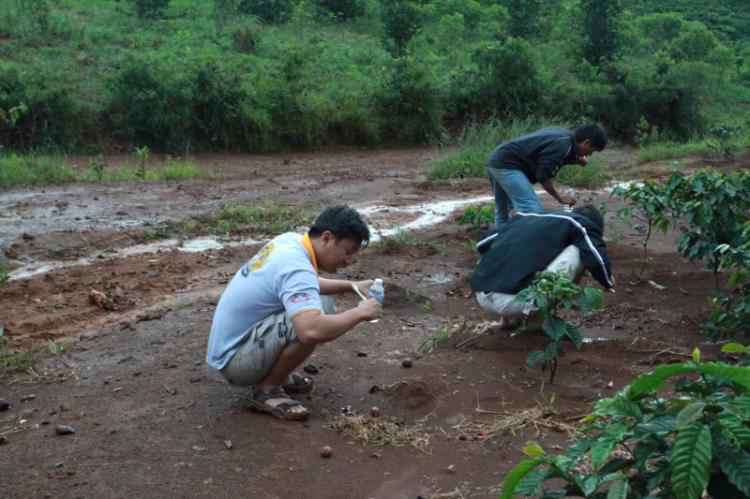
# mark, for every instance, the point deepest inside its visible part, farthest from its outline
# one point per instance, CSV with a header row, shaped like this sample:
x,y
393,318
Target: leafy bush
x,y
714,206
29,171
649,204
402,21
272,11
341,9
550,293
150,9
696,440
412,102
37,112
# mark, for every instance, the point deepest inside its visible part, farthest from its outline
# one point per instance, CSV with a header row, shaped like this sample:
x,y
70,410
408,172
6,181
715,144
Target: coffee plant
x,y
644,444
480,217
648,204
552,292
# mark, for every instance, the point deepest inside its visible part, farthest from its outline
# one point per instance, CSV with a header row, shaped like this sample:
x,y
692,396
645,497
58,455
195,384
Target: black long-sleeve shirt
x,y
538,155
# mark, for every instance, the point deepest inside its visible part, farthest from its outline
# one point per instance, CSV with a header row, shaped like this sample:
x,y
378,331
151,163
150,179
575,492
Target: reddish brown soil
x,y
152,420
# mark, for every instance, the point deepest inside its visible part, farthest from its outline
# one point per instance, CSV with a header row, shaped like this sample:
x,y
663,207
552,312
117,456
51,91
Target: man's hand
x,y
364,286
370,309
569,200
582,161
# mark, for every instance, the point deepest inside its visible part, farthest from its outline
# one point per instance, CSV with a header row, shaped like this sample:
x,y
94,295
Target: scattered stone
x,y
62,429
324,412
326,451
373,389
361,354
4,405
348,410
375,412
611,384
406,362
28,237
310,369
61,464
26,398
199,448
228,443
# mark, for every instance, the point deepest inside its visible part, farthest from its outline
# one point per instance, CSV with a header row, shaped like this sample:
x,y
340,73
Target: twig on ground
x,y
177,408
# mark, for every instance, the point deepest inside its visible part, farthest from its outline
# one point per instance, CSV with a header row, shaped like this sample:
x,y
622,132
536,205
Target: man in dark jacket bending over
x,y
517,164
531,242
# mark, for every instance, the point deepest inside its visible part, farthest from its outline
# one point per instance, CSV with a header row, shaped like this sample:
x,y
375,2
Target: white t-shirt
x,y
281,276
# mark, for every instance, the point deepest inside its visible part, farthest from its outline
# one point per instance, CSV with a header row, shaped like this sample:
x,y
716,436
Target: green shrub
x,y
150,104
694,441
341,9
50,117
272,11
402,21
411,101
150,9
659,151
592,176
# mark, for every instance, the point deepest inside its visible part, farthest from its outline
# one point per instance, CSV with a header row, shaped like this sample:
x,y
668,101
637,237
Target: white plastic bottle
x,y
377,291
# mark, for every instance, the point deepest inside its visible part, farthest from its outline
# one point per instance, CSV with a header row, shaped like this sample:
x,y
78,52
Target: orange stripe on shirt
x,y
309,247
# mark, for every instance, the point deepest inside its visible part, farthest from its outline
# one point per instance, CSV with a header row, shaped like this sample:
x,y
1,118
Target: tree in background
x,y
402,20
150,9
341,9
524,17
601,22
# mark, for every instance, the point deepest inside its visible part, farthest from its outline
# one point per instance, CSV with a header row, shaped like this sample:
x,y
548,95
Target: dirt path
x,y
152,420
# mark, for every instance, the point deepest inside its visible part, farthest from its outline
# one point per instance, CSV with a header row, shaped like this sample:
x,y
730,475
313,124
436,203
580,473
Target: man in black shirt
x,y
517,164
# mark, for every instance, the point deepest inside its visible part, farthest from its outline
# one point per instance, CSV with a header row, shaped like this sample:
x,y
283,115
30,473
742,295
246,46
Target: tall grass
x,y
31,171
249,218
592,176
657,152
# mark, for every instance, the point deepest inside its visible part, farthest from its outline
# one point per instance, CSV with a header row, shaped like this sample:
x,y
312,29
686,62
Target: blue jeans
x,y
512,189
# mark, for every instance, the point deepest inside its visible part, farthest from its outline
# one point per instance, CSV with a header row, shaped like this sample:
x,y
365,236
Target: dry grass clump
x,y
538,417
381,431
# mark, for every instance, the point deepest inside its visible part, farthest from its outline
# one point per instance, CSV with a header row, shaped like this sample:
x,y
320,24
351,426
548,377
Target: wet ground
x,y
152,420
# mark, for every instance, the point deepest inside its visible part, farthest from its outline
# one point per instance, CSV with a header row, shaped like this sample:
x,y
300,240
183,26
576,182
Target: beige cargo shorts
x,y
258,353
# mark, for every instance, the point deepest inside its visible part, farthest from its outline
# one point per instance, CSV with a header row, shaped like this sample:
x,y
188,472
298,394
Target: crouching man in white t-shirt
x,y
276,310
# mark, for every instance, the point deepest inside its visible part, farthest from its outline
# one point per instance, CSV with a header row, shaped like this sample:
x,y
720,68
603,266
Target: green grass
x,y
174,169
476,143
592,176
657,152
4,275
32,171
16,362
251,218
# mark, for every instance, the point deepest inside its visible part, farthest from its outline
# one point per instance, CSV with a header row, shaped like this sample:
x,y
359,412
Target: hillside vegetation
x,y
266,75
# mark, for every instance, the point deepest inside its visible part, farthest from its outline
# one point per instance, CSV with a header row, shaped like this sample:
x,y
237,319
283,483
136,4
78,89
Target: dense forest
x,y
266,75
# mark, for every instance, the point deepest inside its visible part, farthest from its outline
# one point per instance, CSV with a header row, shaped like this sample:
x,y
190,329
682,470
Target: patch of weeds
x,y
58,348
430,344
428,306
30,171
4,276
614,235
593,176
97,165
65,253
400,238
176,169
158,230
251,218
471,243
17,362
141,159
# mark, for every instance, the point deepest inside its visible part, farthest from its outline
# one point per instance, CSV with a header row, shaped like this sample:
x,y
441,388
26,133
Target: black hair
x,y
343,222
595,133
592,213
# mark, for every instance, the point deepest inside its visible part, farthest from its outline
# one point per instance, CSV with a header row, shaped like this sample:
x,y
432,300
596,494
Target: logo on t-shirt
x,y
300,297
258,260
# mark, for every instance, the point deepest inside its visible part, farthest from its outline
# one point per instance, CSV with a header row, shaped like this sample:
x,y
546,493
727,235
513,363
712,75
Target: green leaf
x,y
660,426
602,447
691,459
618,490
689,414
589,484
578,449
734,348
550,350
532,449
697,356
736,465
743,404
653,381
594,297
555,327
513,479
533,358
575,336
620,407
532,483
736,374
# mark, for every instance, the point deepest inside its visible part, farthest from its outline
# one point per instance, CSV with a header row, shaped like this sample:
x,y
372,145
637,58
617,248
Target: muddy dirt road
x,y
152,420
